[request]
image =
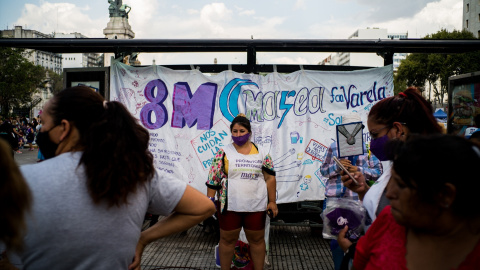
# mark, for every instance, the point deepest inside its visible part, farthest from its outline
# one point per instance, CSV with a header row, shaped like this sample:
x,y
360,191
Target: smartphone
x,y
344,169
270,213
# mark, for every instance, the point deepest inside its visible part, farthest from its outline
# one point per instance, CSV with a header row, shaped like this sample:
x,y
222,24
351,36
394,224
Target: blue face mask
x,y
377,146
241,140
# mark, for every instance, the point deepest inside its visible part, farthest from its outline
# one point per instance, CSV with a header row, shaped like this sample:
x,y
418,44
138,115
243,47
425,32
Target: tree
x,y
19,79
418,69
56,81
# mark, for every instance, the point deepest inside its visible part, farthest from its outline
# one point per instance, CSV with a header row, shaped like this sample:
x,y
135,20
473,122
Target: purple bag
x,y
340,212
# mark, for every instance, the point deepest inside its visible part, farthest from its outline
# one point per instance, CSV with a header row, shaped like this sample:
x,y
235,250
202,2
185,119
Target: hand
x,y
346,163
273,206
362,186
352,169
135,265
343,242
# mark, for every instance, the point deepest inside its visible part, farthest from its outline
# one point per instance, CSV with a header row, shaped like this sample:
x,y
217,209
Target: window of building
x,y
478,33
479,17
468,7
466,24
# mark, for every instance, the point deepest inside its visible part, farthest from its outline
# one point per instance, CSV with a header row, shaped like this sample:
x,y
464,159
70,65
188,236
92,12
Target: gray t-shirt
x,y
66,230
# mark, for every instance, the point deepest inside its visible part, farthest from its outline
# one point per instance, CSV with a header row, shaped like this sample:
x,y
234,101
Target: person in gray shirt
x,y
91,193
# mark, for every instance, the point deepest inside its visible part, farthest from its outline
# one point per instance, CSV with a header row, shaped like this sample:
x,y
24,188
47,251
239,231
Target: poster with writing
x,y
293,117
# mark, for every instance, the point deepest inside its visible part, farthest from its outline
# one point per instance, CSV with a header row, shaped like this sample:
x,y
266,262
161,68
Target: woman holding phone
x,y
431,222
393,118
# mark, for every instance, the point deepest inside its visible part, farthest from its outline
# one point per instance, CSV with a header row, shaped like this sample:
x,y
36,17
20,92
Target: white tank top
x,y
247,189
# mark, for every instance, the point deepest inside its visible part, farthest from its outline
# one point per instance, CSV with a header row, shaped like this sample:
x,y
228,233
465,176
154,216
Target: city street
x,y
291,247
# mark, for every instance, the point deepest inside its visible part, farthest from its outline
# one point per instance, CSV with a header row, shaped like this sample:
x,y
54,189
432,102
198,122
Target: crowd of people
x,y
98,177
20,132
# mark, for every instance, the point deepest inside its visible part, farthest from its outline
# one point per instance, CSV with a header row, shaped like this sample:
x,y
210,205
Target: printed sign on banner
x,y
209,142
293,117
316,150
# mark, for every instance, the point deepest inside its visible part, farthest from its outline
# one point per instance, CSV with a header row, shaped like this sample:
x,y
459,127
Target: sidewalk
x,y
26,157
291,247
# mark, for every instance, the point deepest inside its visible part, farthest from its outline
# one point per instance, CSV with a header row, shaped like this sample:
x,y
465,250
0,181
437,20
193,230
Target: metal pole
x,y
251,59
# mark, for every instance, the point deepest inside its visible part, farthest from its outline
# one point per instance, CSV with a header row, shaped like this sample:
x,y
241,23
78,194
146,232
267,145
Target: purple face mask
x,y
241,140
377,146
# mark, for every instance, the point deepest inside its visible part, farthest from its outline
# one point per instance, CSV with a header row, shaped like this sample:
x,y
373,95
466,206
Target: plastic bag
x,y
340,212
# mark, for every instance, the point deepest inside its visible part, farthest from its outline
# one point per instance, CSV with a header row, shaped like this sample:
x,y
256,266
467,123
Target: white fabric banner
x,y
293,117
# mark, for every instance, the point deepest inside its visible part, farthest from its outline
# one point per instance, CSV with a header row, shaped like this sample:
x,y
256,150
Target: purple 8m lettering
x,y
156,106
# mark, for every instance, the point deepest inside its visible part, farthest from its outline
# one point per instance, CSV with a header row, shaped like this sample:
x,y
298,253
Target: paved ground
x,y
27,157
291,247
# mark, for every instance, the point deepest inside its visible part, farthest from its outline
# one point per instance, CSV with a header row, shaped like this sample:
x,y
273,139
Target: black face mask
x,y
47,147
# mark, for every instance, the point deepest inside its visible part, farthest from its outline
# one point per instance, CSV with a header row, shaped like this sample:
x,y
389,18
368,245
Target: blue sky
x,y
262,19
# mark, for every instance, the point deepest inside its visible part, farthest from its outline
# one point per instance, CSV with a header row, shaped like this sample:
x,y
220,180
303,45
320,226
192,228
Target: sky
x,y
260,19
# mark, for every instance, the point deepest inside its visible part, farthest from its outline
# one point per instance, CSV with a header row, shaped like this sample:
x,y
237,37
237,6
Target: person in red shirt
x,y
432,221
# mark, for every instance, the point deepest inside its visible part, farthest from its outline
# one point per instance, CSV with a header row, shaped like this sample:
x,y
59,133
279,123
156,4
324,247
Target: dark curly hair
x,y
115,146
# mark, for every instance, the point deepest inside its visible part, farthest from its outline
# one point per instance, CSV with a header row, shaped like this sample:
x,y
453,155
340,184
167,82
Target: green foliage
x,y
19,79
418,69
56,82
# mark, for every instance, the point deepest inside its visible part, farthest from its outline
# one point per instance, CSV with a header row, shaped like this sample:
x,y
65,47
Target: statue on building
x,y
117,9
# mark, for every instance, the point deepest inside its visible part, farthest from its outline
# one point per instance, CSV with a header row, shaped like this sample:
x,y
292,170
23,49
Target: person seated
x,y
432,221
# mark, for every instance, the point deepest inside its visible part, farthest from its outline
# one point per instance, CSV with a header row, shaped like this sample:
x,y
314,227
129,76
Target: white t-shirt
x,y
247,189
66,230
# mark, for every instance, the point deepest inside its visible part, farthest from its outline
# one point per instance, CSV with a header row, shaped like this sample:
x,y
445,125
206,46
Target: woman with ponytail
x,y
95,186
390,119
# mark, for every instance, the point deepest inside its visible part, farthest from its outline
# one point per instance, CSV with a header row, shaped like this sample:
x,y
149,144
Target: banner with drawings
x,y
293,116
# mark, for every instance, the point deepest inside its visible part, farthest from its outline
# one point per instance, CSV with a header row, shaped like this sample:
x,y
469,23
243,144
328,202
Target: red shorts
x,y
230,220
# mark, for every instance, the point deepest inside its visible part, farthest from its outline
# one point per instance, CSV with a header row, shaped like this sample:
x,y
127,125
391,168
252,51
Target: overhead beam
x,y
69,45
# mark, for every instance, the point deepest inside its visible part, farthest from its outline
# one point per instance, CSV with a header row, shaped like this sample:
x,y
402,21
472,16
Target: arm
x,y
211,192
371,169
269,175
216,174
329,168
272,190
192,209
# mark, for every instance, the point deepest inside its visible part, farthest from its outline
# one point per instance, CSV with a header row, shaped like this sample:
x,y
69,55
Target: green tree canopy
x,y
19,79
56,81
418,69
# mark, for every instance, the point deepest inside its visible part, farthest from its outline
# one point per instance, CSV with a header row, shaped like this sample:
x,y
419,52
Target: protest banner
x,y
293,117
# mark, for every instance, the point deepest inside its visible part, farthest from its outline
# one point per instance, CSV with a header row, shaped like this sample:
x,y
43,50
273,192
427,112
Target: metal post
x,y
387,58
251,59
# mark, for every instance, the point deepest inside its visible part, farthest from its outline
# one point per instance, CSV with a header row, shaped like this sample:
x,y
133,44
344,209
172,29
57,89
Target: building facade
x,y
366,59
52,62
48,60
76,60
471,17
